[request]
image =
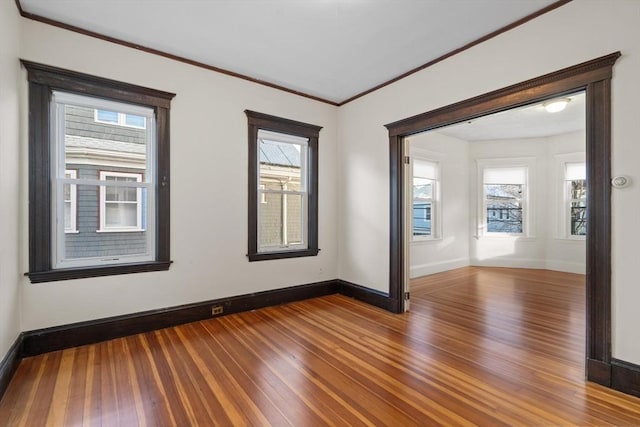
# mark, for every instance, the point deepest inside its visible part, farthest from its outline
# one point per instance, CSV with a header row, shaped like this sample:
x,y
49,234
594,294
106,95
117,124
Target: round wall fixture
x,y
620,181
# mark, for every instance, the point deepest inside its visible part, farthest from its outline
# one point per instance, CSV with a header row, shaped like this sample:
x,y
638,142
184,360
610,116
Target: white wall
x,y
9,172
451,249
576,32
209,186
544,247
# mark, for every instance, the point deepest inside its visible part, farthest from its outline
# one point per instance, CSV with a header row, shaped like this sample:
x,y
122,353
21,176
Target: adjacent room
x,y
319,213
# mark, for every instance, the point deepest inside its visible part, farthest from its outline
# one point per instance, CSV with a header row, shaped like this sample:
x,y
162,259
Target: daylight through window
x,y
424,217
504,190
576,196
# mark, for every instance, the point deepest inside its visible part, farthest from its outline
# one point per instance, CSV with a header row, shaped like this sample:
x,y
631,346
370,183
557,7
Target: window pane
x,y
280,161
421,218
107,116
281,220
270,224
422,188
578,189
67,215
294,219
121,194
133,120
578,218
504,208
88,243
121,214
91,147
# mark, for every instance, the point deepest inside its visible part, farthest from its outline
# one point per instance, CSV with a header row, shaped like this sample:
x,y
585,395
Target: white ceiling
x,y
531,121
332,49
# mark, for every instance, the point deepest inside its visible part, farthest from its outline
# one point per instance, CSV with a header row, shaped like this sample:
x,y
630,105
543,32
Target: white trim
x,y
104,228
438,267
73,202
303,143
436,197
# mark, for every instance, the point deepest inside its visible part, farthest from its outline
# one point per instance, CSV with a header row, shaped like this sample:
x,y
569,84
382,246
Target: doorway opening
x,y
594,78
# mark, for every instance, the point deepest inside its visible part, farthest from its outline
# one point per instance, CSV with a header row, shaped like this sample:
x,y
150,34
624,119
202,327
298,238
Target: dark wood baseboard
x,y
10,363
77,334
625,377
367,295
599,372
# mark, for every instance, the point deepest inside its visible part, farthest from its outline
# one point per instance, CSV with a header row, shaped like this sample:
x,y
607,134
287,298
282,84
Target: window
x,y
504,193
575,183
120,207
70,196
424,218
102,207
283,188
120,119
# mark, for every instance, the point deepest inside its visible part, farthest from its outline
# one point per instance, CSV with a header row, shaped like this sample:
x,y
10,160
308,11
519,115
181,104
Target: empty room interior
x,y
319,213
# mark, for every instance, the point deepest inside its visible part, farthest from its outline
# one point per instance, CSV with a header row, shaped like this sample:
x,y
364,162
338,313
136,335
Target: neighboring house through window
x,y
120,119
283,188
107,193
120,207
70,196
504,197
424,218
575,192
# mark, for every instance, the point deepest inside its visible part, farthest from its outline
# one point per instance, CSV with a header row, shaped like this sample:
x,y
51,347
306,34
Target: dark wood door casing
x,y
593,77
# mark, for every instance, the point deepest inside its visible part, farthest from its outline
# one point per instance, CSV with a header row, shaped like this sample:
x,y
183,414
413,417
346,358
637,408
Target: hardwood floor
x,y
481,346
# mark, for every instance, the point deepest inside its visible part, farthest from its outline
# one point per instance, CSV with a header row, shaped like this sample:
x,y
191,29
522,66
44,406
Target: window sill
x,y
71,232
571,239
96,271
262,256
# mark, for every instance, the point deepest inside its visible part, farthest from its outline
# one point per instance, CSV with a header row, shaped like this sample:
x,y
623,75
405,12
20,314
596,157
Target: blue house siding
x,y
89,137
88,242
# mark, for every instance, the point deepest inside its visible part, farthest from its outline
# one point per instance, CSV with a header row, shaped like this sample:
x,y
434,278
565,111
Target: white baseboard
x,y
437,267
567,267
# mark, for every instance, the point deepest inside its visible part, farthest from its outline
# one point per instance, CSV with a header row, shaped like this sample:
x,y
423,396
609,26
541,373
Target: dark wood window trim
x,y
593,77
262,121
43,80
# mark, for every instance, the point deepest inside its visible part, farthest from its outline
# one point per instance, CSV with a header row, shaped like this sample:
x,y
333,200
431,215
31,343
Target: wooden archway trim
x,y
593,77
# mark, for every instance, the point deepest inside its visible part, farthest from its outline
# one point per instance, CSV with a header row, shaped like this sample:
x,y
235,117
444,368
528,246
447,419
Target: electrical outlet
x,y
216,309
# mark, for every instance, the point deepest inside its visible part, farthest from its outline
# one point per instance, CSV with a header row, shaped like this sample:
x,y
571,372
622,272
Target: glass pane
x,y
294,222
121,194
421,218
87,242
578,189
504,208
281,220
107,116
67,192
422,188
270,221
133,120
280,162
67,215
91,147
578,218
121,215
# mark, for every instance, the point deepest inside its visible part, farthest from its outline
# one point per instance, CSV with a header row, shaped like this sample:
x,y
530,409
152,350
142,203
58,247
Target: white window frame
x,y
104,228
303,143
564,191
73,202
58,101
528,164
436,197
122,119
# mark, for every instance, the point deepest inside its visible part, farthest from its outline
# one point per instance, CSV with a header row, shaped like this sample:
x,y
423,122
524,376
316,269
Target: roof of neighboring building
x,y
277,153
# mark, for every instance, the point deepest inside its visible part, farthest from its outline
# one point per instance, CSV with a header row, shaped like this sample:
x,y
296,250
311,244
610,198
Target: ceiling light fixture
x,y
556,105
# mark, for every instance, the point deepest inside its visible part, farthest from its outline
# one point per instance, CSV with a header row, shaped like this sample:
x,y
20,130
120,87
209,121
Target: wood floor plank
x,y
481,346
